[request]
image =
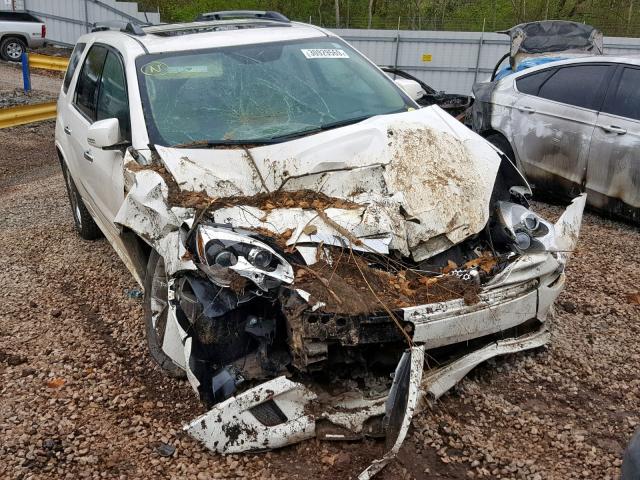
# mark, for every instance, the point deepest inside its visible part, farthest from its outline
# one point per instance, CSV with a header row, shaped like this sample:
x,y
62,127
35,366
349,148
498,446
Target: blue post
x,y
26,74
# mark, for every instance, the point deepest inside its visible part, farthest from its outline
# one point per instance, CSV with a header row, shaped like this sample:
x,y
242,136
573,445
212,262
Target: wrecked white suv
x,y
308,239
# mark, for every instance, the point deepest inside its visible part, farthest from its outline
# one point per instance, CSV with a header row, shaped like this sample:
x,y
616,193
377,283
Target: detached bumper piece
x,y
281,412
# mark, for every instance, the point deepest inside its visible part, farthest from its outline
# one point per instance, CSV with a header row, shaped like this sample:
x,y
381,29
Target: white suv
x,y
301,228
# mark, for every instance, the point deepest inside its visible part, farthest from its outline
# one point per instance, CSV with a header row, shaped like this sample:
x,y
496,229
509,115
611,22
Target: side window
x,y
530,84
73,63
577,85
87,86
626,100
112,100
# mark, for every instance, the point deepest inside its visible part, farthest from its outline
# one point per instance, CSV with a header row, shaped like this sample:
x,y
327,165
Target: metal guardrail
x,y
12,116
48,62
23,114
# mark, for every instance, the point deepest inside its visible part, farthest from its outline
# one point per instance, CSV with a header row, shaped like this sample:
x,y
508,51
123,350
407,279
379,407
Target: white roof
x,y
203,35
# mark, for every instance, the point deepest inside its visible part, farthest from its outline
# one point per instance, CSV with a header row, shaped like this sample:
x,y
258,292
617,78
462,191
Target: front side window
x,y
577,85
625,101
261,93
73,63
113,100
530,84
87,85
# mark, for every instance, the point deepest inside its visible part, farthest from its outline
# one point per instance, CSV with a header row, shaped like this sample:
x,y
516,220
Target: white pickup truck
x,y
19,30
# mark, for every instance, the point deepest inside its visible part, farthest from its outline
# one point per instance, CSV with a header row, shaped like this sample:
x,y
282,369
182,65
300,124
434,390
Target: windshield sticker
x,y
155,68
324,53
182,71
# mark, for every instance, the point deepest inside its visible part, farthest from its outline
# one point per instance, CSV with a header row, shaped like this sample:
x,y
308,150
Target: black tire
x,y
12,48
84,223
503,144
154,284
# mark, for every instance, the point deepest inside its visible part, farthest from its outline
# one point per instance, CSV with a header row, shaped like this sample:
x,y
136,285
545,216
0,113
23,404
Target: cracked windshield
x,y
261,93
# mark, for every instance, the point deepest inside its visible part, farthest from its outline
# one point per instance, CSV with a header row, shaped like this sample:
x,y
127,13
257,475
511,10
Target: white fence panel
x,y
449,61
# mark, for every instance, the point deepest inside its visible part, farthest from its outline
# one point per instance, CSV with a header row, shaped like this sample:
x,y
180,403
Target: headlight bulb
x,y
523,240
226,259
530,222
260,258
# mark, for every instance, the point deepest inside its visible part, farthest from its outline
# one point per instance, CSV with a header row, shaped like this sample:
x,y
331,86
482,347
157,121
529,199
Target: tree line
x,y
613,17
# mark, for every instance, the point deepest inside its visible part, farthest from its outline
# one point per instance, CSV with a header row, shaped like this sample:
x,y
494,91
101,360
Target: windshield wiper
x,y
223,143
320,128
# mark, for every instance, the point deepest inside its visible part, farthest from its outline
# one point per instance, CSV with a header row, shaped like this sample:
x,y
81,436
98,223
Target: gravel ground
x,y
45,86
80,398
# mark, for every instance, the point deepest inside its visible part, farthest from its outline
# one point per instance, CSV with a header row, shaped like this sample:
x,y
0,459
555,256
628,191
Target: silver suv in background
x,y
570,126
19,30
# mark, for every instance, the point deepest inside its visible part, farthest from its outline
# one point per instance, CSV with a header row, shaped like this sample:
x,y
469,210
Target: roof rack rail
x,y
230,14
121,25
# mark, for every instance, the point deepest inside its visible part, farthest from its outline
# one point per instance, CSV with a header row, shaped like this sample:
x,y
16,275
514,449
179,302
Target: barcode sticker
x,y
324,53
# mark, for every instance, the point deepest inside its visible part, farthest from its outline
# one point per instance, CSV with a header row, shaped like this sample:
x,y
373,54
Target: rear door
x,y
552,123
613,173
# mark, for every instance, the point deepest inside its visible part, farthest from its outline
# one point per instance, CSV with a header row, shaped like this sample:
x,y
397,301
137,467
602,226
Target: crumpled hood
x,y
423,179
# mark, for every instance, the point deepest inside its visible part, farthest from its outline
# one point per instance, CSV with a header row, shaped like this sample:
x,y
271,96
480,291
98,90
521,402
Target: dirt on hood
x,y
265,201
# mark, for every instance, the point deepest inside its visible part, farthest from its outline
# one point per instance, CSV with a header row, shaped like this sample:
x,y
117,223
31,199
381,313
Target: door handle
x,y
67,130
524,108
88,156
614,129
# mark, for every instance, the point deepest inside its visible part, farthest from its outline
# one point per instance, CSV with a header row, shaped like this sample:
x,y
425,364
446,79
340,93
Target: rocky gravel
x,y
80,397
45,85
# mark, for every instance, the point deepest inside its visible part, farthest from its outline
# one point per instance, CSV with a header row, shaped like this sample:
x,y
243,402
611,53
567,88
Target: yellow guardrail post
x,y
48,62
12,116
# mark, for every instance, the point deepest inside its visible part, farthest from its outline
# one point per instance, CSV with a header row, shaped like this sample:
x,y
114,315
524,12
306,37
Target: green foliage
x,y
613,17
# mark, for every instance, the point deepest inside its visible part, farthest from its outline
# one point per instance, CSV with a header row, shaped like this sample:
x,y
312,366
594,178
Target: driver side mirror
x,y
105,134
411,88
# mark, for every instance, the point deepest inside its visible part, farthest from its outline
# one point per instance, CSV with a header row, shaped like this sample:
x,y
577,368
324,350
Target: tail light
x,y
44,31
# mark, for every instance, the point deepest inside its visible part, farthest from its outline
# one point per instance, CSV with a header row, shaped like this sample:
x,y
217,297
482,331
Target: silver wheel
x,y
14,50
156,310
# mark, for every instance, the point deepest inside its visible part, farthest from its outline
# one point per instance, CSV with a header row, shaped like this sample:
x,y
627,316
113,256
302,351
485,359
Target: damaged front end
x,y
306,285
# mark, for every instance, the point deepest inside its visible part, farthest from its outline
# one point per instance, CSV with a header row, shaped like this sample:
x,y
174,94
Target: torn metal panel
x,y
451,322
401,405
230,427
146,208
567,228
438,381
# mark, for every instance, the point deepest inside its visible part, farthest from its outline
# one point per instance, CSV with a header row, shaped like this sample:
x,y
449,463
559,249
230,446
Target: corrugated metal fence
x,y
68,19
450,61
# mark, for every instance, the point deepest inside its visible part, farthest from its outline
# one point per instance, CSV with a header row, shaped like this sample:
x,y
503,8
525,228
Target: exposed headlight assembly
x,y
523,228
221,252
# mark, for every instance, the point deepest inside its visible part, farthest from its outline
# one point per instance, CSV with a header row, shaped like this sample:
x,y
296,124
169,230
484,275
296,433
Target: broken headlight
x,y
222,253
522,228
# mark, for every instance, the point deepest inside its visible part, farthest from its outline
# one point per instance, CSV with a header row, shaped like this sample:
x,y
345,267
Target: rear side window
x,y
87,85
625,101
531,84
113,100
18,17
576,85
73,63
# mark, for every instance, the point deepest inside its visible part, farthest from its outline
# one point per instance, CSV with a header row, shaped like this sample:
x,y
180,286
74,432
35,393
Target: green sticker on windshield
x,y
155,68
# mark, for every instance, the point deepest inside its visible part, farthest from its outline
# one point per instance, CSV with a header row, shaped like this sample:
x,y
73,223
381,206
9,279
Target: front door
x,y
613,173
553,124
100,93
